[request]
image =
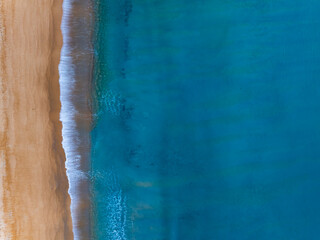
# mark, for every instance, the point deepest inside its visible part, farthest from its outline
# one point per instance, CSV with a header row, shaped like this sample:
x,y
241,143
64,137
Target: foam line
x,y
67,116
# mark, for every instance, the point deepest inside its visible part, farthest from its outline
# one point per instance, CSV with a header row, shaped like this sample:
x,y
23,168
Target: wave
x,y
75,73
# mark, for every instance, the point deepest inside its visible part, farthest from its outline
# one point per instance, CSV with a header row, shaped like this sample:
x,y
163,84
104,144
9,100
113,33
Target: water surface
x,y
207,120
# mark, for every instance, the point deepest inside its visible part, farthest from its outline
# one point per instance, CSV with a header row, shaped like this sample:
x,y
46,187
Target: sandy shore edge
x,y
75,84
33,185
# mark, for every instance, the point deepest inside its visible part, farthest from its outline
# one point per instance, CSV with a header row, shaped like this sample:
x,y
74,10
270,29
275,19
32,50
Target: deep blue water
x,y
207,120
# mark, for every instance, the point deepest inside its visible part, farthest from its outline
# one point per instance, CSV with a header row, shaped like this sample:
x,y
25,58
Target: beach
x,y
34,196
159,120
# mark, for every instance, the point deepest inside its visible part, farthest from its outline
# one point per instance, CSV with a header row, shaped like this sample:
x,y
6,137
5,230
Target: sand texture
x,y
34,196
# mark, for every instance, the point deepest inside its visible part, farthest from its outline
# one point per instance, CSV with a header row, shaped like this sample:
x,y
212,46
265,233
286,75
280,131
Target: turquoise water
x,y
206,120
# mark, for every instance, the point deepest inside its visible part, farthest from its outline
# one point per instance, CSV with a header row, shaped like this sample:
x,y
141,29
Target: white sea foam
x,y
68,112
112,206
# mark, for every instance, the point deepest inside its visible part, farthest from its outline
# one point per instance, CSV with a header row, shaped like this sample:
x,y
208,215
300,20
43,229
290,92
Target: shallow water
x,y
75,70
206,120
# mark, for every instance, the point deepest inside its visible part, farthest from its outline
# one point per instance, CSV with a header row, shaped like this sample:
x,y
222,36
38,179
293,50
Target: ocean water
x,y
206,120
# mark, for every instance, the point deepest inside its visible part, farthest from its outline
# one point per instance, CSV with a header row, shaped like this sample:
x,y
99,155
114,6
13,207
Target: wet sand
x,y
34,196
75,83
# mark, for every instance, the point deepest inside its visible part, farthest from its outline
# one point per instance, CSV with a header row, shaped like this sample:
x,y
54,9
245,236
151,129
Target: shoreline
x,y
75,70
34,197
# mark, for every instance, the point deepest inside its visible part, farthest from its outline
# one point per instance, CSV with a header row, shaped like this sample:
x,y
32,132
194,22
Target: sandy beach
x,y
34,200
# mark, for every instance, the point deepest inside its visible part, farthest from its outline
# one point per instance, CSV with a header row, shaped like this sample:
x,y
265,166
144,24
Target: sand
x,y
34,202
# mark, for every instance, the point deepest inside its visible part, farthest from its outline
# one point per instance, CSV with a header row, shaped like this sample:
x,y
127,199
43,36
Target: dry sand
x,y
34,203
